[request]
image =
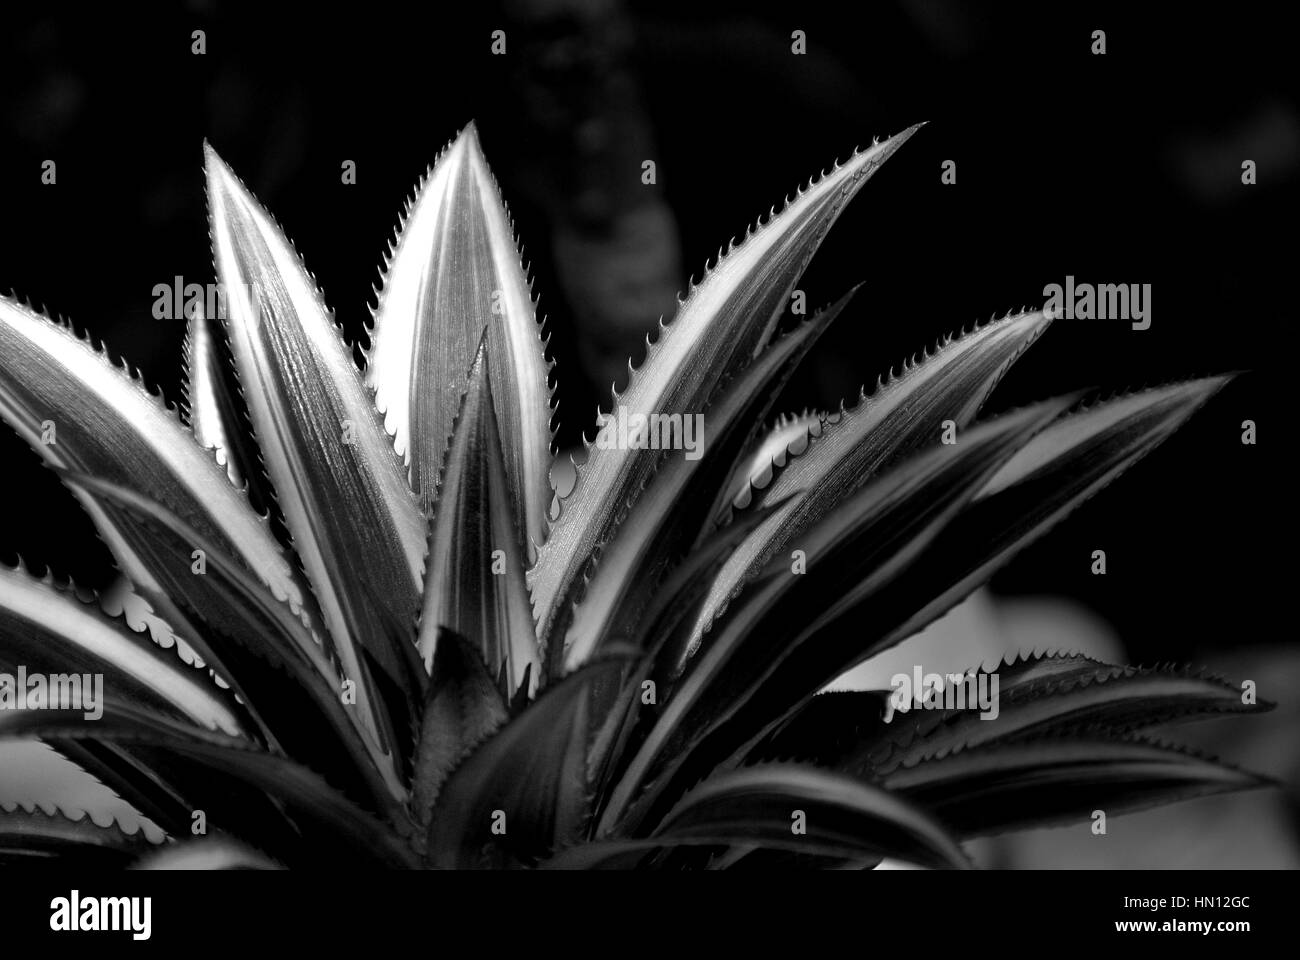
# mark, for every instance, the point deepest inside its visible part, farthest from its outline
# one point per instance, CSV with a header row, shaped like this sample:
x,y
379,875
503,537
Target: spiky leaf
x,y
82,413
855,551
463,709
474,581
289,678
721,325
533,773
682,495
30,835
54,632
761,805
902,415
454,274
355,524
1043,782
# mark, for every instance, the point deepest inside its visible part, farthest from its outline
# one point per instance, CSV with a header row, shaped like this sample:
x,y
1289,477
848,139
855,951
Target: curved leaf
x,y
1008,786
842,816
865,734
723,323
81,413
829,728
463,709
983,535
902,415
354,522
788,436
53,632
855,551
1061,467
1093,699
30,835
682,495
291,682
270,802
533,772
109,766
202,394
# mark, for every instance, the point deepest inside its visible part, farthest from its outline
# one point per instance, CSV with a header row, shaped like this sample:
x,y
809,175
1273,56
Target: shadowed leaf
x,y
1003,786
902,415
271,802
1061,467
463,709
841,817
533,772
1041,695
290,679
474,582
1092,699
853,552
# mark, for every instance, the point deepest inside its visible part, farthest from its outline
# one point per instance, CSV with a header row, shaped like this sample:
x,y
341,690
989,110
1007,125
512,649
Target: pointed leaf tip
x,y
474,571
456,272
720,327
322,441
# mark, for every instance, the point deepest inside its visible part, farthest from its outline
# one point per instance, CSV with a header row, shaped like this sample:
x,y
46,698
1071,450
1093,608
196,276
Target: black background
x,y
1116,168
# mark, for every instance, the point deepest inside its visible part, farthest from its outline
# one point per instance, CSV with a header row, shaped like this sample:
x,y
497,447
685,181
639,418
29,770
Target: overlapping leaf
x,y
474,579
1042,782
721,325
857,550
530,781
1072,459
756,806
902,415
202,395
1057,470
789,436
290,680
276,804
454,274
82,413
53,632
1042,695
30,835
683,494
463,709
646,747
354,521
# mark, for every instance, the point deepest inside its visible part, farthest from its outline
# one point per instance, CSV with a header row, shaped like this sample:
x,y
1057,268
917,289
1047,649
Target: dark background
x,y
1117,168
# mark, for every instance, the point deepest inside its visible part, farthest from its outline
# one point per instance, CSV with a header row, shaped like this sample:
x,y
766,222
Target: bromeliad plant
x,y
416,658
